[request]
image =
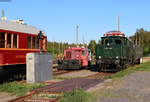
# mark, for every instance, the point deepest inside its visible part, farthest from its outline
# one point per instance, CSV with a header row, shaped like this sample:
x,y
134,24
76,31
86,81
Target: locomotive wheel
x,y
89,63
103,67
124,67
139,61
118,67
99,67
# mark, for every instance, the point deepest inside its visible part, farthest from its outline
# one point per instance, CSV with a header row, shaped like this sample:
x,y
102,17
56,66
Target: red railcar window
x,y
33,42
2,40
29,41
8,41
15,41
37,43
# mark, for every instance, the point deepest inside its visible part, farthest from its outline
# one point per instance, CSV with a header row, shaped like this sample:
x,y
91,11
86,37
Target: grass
x,y
141,67
19,89
45,95
110,89
77,96
64,78
82,96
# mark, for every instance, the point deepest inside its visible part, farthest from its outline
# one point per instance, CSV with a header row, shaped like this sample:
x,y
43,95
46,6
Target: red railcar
x,y
75,58
16,40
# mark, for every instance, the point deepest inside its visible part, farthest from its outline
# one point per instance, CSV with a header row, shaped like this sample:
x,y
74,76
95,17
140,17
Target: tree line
x,y
141,37
57,48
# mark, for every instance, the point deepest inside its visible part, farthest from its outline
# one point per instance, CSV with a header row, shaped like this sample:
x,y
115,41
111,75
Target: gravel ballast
x,y
132,88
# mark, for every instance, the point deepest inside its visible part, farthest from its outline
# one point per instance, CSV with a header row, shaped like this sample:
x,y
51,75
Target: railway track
x,y
59,72
55,89
30,98
19,77
58,88
100,75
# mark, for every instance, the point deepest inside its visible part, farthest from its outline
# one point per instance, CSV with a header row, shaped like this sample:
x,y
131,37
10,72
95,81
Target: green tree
x,y
92,46
142,38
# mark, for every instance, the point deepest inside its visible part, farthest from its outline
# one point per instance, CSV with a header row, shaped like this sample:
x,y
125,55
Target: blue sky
x,y
58,18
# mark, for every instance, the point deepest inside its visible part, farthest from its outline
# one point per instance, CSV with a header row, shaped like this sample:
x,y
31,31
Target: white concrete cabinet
x,y
39,67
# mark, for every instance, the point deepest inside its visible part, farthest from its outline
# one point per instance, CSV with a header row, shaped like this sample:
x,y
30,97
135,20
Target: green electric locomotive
x,y
116,52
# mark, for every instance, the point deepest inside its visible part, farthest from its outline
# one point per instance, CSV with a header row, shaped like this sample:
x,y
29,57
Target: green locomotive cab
x,y
115,52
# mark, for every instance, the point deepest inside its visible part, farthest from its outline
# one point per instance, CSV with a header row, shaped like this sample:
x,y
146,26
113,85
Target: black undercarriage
x,y
111,64
12,72
69,64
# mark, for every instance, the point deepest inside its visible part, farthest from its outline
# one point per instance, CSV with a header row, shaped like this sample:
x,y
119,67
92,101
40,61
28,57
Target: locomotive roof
x,y
76,48
13,26
114,31
113,37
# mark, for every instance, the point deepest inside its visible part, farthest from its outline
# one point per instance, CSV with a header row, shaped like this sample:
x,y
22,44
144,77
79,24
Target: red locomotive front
x,y
74,58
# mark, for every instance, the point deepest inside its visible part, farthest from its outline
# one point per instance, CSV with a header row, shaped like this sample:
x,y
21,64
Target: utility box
x,y
39,67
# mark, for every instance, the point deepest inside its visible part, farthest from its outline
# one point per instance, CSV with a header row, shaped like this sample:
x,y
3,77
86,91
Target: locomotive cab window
x,y
2,40
105,41
108,41
83,53
118,42
68,54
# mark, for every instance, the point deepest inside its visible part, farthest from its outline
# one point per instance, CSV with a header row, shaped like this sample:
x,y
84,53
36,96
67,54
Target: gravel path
x,y
132,88
5,97
82,73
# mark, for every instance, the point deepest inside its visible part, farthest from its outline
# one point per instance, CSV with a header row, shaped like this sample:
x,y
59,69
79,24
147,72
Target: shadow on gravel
x,y
93,68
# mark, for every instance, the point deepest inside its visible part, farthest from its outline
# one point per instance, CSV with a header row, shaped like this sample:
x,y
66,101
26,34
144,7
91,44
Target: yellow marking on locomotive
x,y
11,64
20,56
21,49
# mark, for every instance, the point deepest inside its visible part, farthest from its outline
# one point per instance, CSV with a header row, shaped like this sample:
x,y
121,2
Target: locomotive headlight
x,y
99,57
117,57
77,56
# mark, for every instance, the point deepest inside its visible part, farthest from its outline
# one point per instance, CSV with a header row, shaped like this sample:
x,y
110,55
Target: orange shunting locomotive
x,y
75,58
